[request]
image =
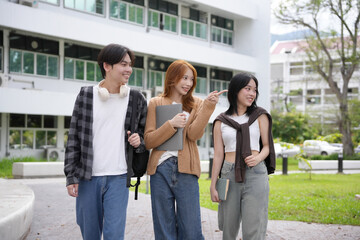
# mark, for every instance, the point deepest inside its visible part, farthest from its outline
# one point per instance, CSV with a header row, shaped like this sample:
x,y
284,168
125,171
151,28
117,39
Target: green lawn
x,y
6,165
327,198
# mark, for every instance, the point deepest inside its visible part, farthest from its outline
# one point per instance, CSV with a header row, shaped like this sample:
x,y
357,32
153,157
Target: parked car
x,y
317,147
340,145
357,149
283,148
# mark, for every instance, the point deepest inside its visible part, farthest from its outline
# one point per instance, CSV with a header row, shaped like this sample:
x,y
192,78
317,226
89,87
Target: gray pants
x,y
246,202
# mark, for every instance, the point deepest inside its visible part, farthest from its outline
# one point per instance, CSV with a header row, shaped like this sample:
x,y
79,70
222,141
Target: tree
x,y
291,127
327,52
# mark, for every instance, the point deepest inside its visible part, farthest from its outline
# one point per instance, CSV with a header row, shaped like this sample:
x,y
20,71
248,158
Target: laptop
x,y
163,114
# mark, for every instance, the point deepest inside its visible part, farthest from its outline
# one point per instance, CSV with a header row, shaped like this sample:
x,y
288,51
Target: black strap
x,y
131,149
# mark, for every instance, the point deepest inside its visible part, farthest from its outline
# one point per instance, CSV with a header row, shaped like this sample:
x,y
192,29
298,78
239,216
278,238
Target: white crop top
x,y
229,134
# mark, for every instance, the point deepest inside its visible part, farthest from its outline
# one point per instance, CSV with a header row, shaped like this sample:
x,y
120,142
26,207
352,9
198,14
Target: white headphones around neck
x,y
105,95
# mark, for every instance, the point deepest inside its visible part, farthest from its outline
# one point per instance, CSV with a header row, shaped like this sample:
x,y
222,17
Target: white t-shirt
x,y
109,134
229,134
169,154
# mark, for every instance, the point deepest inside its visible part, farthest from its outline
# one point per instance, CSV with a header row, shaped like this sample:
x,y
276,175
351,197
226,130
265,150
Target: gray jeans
x,y
246,202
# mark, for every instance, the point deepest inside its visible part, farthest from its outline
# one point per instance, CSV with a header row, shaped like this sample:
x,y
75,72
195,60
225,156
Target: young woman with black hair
x,y
244,154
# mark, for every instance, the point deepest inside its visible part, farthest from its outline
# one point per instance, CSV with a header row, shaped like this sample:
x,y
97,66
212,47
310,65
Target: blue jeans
x,y
101,207
175,203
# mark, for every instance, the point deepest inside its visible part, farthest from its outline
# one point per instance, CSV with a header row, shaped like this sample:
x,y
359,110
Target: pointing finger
x,y
221,92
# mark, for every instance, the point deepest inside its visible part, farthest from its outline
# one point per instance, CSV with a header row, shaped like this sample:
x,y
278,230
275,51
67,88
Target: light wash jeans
x,y
101,207
175,203
246,202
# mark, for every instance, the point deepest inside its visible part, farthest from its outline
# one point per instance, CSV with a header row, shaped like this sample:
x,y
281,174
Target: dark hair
x,y
113,54
238,82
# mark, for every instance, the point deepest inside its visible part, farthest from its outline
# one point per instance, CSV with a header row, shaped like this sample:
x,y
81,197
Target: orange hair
x,y
174,74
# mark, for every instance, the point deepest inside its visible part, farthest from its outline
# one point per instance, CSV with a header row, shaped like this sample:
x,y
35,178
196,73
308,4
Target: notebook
x,y
164,113
222,187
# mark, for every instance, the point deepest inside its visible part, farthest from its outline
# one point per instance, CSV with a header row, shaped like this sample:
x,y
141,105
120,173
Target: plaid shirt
x,y
79,150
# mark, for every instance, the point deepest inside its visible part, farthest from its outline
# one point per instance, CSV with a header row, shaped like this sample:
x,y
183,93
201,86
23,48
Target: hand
x,y
214,96
73,190
214,195
134,139
252,161
179,121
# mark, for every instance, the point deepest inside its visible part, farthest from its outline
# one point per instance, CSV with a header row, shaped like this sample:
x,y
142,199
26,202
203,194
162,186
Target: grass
x,y
6,165
327,198
292,164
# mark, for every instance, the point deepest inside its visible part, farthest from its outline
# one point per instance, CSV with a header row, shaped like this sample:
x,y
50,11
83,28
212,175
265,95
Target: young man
x,y
96,162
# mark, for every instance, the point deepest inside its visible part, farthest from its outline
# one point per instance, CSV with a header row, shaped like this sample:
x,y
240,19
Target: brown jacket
x,y
188,158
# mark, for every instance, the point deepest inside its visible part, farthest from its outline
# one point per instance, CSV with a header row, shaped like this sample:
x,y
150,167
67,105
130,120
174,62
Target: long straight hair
x,y
174,74
238,82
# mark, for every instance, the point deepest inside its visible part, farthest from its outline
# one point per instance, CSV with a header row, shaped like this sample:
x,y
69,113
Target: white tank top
x,y
229,134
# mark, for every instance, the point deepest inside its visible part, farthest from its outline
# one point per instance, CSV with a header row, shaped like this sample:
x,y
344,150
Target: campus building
x,y
48,50
294,81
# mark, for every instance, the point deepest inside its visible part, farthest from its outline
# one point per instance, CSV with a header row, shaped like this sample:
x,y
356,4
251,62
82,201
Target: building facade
x,y
48,50
294,82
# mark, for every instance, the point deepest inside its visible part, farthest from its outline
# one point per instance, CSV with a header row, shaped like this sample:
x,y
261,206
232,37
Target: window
x,y
1,51
35,56
222,30
136,78
156,79
33,63
56,2
201,86
193,23
296,68
32,131
1,59
81,63
163,15
220,80
91,6
127,11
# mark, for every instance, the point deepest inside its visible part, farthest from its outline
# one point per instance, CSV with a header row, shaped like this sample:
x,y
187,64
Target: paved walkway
x,y
54,219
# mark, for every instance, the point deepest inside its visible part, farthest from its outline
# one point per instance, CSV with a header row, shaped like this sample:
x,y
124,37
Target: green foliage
x,y
331,138
335,157
6,165
354,112
291,127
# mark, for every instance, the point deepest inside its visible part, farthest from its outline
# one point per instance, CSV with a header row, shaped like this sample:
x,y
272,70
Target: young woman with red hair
x,y
174,174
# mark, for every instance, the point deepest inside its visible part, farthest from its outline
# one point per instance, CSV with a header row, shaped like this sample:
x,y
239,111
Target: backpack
x,y
138,161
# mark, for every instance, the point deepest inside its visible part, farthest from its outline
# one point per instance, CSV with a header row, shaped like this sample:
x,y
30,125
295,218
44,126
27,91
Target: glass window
x,y
136,78
51,138
34,121
28,63
15,60
52,66
14,139
127,11
66,135
27,139
154,19
221,35
41,63
200,85
156,79
69,68
92,6
98,73
51,1
40,139
1,59
90,71
67,121
79,69
17,120
218,85
50,121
